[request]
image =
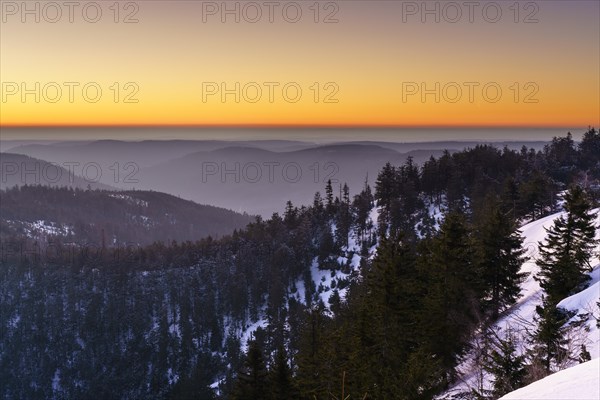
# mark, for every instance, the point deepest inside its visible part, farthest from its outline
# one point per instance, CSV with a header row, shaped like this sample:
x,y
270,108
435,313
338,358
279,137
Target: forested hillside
x,y
98,218
19,170
375,296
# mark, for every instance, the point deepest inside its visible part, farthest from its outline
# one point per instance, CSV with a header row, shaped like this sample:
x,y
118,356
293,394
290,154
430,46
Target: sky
x,y
304,63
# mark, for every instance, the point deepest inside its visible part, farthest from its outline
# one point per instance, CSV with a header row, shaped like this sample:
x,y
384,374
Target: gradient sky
x,y
369,55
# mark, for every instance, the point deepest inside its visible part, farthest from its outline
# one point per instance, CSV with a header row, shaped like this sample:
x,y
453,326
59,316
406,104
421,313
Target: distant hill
x,y
143,153
261,181
18,170
255,176
453,145
115,218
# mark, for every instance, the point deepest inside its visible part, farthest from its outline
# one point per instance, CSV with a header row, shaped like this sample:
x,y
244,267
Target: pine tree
x,y
385,186
280,377
343,219
589,152
362,204
561,157
424,377
430,179
564,258
452,292
197,385
536,194
335,302
510,197
499,256
329,197
290,216
550,338
507,367
252,380
386,193
455,189
391,304
404,215
318,204
313,370
327,246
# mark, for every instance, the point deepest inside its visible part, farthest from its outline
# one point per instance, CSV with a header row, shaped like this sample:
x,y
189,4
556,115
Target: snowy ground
x,y
40,228
325,280
519,319
581,382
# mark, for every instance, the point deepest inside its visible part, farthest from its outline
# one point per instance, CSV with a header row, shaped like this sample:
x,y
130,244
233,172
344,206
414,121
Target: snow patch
x,y
581,382
247,333
519,318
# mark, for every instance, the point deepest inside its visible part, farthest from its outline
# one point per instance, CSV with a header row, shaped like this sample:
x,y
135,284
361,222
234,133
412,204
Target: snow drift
x,y
581,382
519,318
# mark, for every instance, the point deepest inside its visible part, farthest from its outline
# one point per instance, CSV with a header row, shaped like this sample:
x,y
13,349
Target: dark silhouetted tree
x,y
564,257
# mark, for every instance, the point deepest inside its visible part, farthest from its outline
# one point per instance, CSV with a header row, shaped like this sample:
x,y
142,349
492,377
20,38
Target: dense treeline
x,y
165,320
174,310
407,321
105,218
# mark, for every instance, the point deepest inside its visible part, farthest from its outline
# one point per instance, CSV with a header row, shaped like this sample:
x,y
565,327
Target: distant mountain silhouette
x,y
261,181
257,177
115,218
18,170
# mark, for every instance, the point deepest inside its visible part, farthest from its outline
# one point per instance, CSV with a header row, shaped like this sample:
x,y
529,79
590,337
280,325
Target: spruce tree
x,y
550,338
386,194
318,205
313,370
430,180
565,256
195,386
452,291
391,305
280,377
327,247
291,215
252,380
510,197
385,186
329,197
499,255
507,367
361,206
343,219
535,194
589,150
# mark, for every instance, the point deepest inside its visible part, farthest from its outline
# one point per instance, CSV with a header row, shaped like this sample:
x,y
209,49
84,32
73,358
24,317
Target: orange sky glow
x,y
344,63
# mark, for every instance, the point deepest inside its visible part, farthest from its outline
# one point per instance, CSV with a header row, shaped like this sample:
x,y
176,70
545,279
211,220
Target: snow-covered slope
x,y
581,382
325,281
519,319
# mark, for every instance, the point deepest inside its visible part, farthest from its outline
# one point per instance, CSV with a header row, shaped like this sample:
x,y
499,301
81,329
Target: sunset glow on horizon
x,y
340,64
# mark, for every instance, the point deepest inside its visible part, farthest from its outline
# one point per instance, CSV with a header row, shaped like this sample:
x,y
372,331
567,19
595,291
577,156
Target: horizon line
x,y
282,126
